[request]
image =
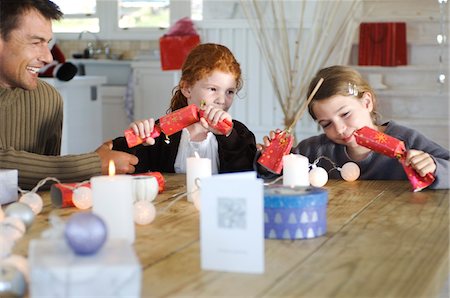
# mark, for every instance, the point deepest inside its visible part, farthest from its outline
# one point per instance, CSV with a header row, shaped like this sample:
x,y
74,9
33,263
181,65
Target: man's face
x,y
25,51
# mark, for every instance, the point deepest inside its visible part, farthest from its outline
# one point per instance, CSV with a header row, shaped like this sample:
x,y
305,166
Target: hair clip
x,y
352,89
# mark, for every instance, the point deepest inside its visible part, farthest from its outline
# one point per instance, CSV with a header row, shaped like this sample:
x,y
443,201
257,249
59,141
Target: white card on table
x,y
232,223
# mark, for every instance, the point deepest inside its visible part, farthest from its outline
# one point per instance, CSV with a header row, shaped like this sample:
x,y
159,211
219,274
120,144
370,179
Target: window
x,y
123,19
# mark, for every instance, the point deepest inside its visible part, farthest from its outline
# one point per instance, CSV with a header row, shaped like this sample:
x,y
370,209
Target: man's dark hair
x,y
12,10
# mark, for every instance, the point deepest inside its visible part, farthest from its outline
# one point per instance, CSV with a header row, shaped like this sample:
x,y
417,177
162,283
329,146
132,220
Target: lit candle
x,y
295,170
196,167
112,200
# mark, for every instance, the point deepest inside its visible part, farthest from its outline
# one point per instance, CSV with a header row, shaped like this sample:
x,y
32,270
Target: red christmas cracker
x,y
224,126
272,157
394,148
62,193
169,124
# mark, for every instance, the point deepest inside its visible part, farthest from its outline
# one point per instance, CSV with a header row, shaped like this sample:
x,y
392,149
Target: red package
x,y
224,126
272,157
175,48
382,44
394,148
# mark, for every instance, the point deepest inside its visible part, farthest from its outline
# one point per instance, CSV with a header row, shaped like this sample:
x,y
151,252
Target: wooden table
x,y
382,241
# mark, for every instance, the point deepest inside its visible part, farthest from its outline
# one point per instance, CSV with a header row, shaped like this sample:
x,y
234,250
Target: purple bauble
x,y
85,233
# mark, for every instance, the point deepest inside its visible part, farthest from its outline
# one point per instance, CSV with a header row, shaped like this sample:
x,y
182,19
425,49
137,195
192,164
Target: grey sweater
x,y
30,138
375,166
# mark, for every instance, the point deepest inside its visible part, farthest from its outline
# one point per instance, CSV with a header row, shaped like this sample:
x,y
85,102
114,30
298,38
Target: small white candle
x,y
295,170
196,167
112,200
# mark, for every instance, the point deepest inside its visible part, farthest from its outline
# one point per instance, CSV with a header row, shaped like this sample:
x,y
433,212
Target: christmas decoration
x,y
59,68
85,233
21,211
144,212
394,148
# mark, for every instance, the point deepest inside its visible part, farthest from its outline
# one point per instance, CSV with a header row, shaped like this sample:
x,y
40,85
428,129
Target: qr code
x,y
232,213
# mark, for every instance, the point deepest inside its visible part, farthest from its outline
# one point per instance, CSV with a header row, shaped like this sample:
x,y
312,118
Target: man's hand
x,y
123,161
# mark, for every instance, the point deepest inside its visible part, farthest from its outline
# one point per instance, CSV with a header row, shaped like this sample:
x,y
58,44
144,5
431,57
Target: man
x,y
31,110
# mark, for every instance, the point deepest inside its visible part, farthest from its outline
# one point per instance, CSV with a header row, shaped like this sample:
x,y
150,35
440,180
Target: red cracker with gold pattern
x,y
394,148
169,124
272,157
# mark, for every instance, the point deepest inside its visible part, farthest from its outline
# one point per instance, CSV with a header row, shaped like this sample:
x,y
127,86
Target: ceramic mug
x,y
145,188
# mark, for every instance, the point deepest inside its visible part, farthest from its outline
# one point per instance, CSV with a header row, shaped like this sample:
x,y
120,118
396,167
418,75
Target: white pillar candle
x,y
295,170
112,200
196,167
8,186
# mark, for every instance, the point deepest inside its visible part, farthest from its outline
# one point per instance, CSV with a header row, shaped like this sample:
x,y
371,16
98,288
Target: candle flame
x,y
196,154
112,168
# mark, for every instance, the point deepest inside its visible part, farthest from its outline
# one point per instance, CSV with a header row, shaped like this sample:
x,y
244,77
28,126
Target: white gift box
x,y
55,271
8,186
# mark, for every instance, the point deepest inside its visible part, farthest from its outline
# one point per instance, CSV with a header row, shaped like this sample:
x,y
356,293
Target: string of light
x,y
442,40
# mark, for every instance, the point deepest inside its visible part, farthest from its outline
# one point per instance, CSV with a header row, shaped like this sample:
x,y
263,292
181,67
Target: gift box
x,y
56,271
176,44
294,212
8,186
382,44
175,49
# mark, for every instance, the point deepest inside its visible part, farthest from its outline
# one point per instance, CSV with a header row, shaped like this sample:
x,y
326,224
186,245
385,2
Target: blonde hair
x,y
338,79
201,62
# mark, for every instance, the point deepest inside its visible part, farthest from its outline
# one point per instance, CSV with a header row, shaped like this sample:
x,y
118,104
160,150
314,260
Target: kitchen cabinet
x,y
82,122
152,89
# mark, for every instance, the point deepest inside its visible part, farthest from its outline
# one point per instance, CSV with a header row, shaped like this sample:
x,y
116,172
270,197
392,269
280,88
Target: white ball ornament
x,y
350,171
318,177
33,200
22,211
12,228
19,262
144,212
82,197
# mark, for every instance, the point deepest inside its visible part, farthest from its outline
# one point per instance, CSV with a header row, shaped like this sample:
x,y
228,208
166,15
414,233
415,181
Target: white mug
x,y
145,188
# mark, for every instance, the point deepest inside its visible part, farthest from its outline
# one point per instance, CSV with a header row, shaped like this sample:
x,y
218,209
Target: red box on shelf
x,y
175,48
382,44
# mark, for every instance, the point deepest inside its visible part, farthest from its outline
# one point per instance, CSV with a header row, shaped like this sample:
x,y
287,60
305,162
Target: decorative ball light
x,y
318,176
12,282
33,200
12,229
82,197
21,211
350,171
19,262
144,212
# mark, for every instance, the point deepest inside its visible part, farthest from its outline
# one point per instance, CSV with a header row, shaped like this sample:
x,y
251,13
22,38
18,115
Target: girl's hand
x,y
421,162
267,140
143,129
213,115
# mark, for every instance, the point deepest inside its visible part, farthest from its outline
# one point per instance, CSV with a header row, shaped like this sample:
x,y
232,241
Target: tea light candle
x,y
295,170
196,167
112,200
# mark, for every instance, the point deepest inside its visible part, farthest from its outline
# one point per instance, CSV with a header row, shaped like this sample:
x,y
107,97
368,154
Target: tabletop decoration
x,y
196,167
112,198
12,281
21,211
8,185
85,233
394,148
144,212
58,271
295,170
294,212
